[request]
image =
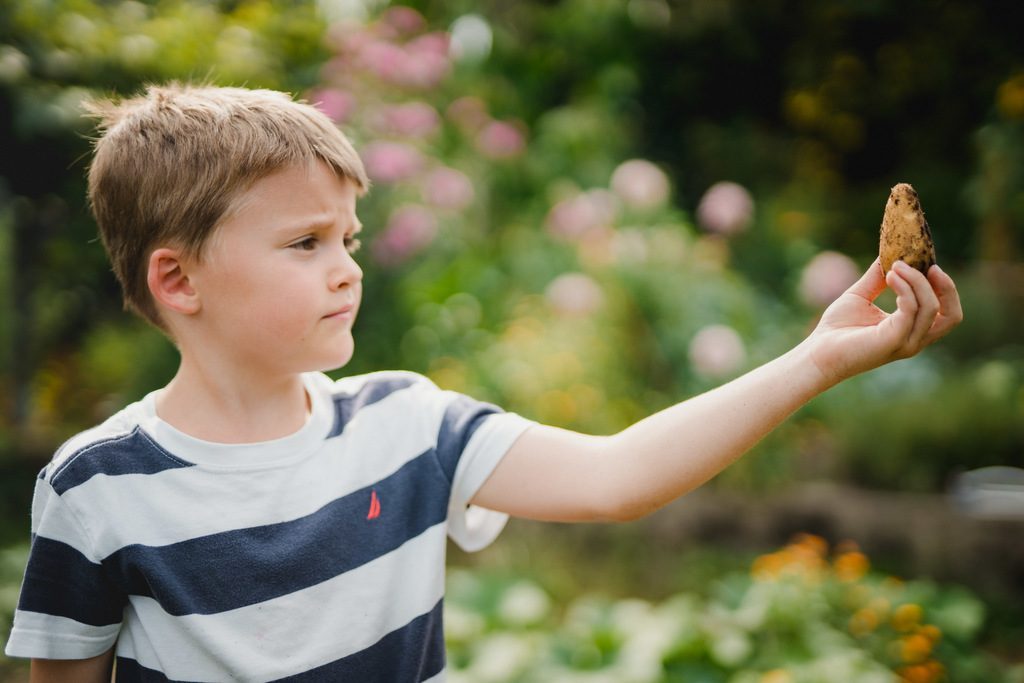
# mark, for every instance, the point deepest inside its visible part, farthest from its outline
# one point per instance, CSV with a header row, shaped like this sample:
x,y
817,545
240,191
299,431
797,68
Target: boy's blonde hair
x,y
170,164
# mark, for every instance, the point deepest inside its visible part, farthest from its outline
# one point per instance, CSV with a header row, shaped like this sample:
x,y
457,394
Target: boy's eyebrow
x,y
318,223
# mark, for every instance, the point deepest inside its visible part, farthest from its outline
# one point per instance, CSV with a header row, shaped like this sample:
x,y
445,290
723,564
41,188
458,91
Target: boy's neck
x,y
223,408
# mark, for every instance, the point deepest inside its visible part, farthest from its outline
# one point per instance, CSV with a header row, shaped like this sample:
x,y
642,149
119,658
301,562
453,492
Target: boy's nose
x,y
346,271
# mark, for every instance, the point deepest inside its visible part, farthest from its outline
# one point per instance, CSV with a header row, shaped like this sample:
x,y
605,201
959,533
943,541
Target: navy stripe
x,y
130,671
461,420
347,406
132,453
412,653
242,567
62,582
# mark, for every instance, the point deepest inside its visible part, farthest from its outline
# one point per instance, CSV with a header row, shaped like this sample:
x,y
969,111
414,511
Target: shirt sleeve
x,y
68,607
473,438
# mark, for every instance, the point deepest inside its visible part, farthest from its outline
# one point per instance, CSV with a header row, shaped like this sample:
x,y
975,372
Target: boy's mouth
x,y
347,311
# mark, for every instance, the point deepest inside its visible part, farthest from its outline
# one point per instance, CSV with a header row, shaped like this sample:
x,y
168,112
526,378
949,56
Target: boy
x,y
254,520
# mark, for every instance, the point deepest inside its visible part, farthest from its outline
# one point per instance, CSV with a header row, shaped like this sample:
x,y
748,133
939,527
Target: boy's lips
x,y
346,311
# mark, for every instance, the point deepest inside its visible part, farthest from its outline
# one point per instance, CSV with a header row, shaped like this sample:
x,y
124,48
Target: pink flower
x,y
413,119
501,140
574,294
726,209
468,113
404,20
391,162
425,62
410,229
716,351
640,184
448,188
337,104
382,59
577,216
827,276
435,43
346,35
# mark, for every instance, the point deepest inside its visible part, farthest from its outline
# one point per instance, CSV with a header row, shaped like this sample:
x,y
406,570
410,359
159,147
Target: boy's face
x,y
278,286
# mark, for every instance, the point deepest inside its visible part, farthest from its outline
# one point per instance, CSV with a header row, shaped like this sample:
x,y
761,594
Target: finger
x,y
945,289
901,321
870,284
950,311
927,305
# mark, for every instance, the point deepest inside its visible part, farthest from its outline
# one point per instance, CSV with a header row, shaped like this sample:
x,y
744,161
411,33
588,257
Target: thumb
x,y
870,284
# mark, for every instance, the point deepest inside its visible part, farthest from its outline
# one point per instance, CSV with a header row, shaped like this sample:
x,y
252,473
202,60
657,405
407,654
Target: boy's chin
x,y
336,362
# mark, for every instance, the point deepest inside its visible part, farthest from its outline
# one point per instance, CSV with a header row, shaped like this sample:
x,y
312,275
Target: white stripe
x,y
285,636
183,503
52,519
48,637
472,527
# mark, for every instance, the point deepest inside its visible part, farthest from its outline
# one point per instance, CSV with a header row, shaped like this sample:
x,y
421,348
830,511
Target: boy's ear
x,y
168,281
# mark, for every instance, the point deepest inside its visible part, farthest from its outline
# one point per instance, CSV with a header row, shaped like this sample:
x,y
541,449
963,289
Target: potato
x,y
905,234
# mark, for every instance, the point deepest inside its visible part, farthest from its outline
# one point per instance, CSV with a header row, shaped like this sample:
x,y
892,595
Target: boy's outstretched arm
x,y
555,474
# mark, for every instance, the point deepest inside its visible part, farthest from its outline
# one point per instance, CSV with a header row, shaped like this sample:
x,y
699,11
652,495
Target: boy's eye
x,y
306,244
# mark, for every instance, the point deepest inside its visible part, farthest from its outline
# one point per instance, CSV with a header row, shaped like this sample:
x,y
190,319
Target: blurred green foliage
x,y
539,281
584,211
812,115
801,614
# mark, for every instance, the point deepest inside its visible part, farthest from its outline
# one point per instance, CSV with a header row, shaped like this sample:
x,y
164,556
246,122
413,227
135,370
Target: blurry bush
x,y
12,569
560,222
60,318
802,614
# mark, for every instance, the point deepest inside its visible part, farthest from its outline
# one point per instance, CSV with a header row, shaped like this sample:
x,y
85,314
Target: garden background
x,y
585,211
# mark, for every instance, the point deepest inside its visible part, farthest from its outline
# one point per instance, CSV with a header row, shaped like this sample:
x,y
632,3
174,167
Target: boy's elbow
x,y
628,509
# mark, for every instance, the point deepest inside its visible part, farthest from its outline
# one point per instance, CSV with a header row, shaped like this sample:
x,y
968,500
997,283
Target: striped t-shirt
x,y
315,557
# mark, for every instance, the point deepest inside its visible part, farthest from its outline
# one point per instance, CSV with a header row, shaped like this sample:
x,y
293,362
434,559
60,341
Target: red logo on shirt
x,y
374,512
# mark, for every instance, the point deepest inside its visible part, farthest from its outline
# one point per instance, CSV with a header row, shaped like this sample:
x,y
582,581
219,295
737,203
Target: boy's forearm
x,y
676,450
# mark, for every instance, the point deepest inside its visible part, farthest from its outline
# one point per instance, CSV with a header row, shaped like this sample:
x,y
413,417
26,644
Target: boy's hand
x,y
854,335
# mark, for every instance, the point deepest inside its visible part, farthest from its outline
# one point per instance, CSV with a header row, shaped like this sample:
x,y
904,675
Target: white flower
x,y
471,38
574,294
582,214
523,604
717,351
640,184
461,624
500,657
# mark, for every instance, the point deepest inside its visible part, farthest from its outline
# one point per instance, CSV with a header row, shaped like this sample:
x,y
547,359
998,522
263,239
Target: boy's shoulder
x,y
103,449
380,380
400,390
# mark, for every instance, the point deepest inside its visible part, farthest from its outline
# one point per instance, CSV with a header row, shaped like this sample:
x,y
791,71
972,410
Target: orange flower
x,y
906,617
864,621
931,632
776,676
767,567
851,566
925,672
816,544
915,648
